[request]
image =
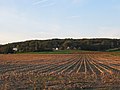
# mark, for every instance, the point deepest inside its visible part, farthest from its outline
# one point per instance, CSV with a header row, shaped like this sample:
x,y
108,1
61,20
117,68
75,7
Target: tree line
x,y
61,44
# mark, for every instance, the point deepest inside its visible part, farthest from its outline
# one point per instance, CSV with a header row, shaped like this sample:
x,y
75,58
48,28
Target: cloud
x,y
110,32
38,2
49,4
44,3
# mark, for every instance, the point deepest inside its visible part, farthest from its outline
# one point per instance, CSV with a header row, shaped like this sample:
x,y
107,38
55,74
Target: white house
x,y
15,49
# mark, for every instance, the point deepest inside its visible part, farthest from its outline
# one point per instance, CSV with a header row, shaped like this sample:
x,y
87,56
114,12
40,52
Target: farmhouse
x,y
15,49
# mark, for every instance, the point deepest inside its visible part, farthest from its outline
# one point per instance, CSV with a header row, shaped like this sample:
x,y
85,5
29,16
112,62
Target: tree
x,y
8,50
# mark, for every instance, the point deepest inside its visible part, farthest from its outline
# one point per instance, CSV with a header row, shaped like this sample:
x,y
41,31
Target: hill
x,y
97,44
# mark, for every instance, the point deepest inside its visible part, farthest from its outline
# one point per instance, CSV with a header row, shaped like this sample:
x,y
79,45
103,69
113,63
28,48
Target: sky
x,y
22,20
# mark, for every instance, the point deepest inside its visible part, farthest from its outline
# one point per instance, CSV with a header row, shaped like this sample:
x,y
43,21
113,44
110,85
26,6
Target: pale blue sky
x,y
43,19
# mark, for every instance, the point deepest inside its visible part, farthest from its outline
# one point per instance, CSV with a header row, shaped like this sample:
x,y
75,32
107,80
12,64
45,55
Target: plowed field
x,y
59,71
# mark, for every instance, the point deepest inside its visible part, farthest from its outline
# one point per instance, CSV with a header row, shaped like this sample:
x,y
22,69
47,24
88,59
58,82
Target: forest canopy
x,y
61,44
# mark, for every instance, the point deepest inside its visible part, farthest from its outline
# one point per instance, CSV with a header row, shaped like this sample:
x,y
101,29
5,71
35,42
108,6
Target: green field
x,y
56,52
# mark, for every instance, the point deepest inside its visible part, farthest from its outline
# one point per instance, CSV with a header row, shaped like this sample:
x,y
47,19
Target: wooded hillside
x,y
61,44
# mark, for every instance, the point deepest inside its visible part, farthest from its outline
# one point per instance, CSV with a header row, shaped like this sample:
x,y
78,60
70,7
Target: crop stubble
x,y
51,71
